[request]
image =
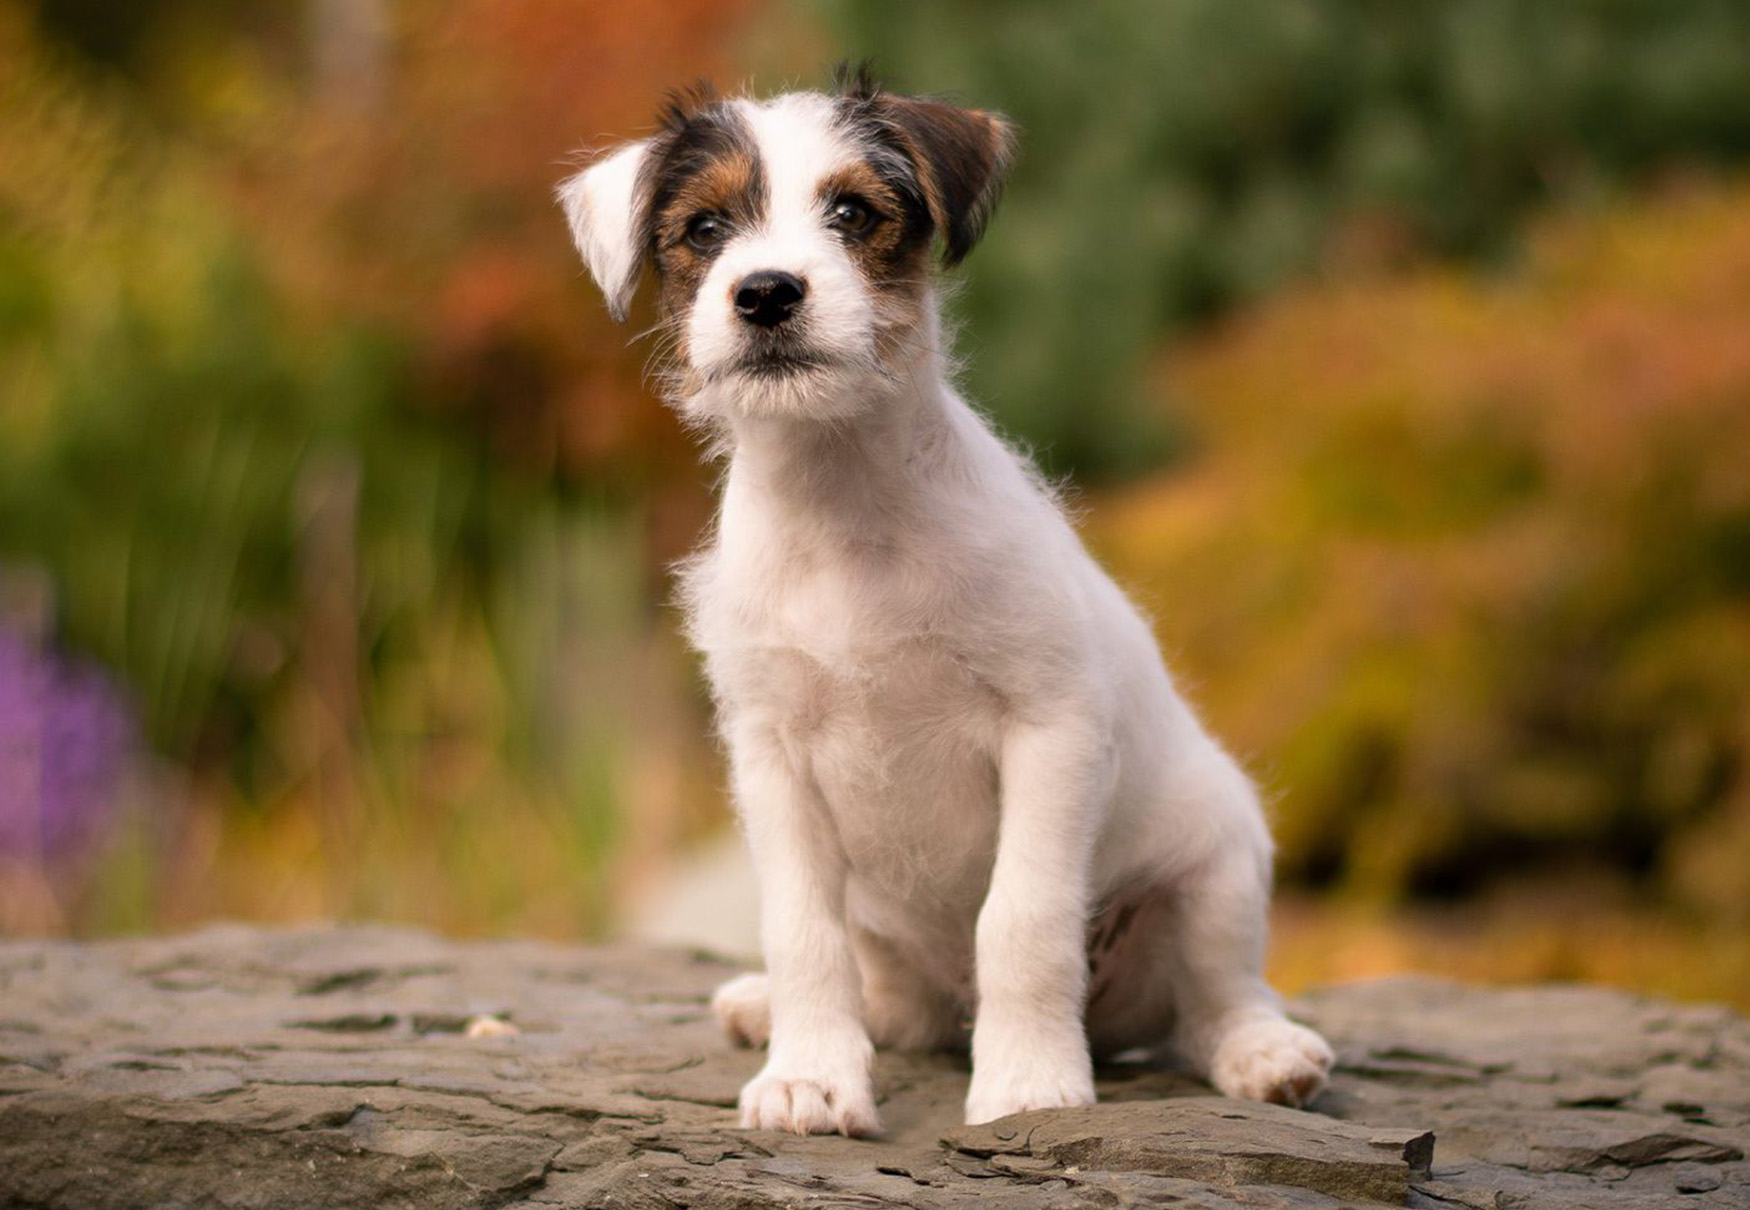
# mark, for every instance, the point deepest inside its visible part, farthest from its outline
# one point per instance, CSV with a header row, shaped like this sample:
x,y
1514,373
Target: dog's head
x,y
791,238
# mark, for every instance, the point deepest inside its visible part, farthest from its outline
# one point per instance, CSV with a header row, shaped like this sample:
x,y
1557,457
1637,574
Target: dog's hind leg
x,y
1227,1022
901,1007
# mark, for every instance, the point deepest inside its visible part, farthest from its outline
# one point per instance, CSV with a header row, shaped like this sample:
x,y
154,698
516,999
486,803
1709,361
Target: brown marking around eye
x,y
728,184
884,252
892,256
704,162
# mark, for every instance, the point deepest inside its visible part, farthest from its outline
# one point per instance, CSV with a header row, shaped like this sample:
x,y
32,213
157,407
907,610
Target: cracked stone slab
x,y
1210,1140
244,1067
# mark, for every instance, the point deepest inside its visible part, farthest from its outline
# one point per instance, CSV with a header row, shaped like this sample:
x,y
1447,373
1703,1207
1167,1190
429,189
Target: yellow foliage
x,y
1462,566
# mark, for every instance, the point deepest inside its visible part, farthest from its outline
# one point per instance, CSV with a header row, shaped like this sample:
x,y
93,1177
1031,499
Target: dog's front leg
x,y
816,1079
1029,1042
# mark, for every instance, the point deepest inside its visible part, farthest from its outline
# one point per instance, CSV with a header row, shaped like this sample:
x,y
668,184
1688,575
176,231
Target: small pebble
x,y
483,1025
1697,1180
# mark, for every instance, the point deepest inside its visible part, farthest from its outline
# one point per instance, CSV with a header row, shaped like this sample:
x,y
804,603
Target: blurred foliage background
x,y
1398,353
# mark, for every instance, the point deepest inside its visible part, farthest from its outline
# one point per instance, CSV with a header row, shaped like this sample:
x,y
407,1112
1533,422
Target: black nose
x,y
768,298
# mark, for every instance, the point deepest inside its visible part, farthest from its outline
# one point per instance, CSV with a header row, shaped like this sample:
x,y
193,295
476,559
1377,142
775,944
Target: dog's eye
x,y
851,216
706,231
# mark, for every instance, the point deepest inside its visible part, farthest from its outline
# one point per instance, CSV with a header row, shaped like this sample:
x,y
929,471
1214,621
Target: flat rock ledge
x,y
374,1067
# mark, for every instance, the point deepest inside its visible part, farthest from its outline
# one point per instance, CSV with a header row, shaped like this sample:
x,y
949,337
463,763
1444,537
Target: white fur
x,y
600,205
951,736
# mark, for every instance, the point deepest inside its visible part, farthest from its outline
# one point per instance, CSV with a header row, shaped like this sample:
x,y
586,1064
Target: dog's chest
x,y
861,665
864,614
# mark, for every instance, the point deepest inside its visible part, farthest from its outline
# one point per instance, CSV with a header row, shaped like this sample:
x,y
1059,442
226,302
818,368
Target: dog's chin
x,y
788,385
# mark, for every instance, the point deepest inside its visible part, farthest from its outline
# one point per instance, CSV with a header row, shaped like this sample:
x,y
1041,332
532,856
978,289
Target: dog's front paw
x,y
810,1104
1018,1089
1272,1060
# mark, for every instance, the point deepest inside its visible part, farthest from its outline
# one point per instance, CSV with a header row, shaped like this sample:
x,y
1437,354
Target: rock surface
x,y
383,1068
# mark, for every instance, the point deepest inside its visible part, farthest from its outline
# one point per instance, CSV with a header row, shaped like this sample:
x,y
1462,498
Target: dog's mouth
x,y
779,363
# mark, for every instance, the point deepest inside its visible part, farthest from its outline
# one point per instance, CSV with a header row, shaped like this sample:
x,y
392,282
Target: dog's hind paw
x,y
1272,1060
744,1009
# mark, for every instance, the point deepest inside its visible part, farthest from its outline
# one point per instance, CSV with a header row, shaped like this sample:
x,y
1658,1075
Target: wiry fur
x,y
967,782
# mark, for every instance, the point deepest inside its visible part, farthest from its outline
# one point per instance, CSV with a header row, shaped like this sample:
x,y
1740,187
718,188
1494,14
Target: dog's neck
x,y
858,471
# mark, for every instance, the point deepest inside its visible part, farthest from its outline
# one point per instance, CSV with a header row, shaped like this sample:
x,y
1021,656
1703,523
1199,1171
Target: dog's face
x,y
791,238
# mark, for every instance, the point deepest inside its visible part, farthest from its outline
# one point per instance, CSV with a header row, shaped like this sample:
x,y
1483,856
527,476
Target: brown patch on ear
x,y
962,158
681,105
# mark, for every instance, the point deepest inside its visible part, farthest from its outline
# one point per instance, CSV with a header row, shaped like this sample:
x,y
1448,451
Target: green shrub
x,y
1178,158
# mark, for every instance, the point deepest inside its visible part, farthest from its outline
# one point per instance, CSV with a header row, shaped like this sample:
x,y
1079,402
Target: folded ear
x,y
607,206
962,158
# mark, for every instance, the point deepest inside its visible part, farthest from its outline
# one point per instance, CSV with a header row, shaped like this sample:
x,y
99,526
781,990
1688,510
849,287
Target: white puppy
x,y
969,787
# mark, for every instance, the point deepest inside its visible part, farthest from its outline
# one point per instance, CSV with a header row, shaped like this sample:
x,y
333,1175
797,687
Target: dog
x,y
969,788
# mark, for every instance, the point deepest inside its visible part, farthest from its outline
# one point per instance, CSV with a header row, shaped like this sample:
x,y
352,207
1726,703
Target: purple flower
x,y
65,739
